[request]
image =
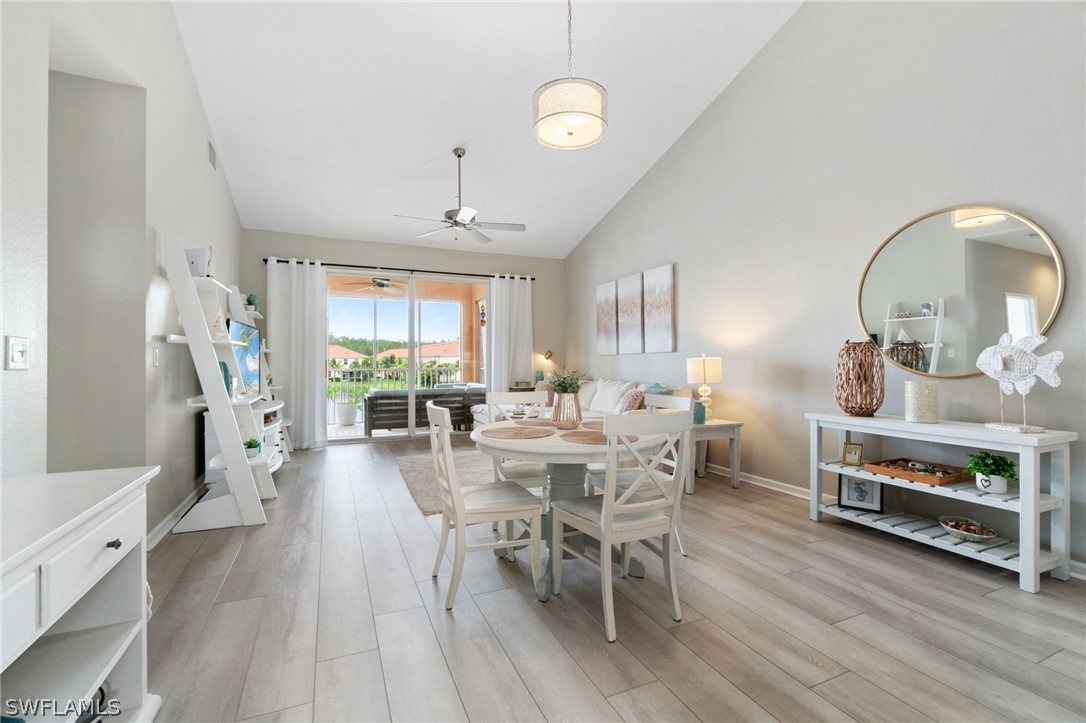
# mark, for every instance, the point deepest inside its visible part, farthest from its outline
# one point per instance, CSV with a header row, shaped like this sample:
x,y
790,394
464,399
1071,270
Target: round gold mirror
x,y
945,286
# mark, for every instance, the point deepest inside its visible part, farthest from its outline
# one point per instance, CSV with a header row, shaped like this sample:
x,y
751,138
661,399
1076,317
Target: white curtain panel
x,y
510,317
297,312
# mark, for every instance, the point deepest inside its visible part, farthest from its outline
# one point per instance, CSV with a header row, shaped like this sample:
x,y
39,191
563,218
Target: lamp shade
x,y
704,370
570,113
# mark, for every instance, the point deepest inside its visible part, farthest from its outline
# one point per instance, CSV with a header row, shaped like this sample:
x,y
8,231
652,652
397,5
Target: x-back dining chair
x,y
529,475
461,507
637,503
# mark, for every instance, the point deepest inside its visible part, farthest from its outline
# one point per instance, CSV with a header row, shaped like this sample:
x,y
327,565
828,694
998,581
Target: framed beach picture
x,y
630,340
607,318
859,494
659,309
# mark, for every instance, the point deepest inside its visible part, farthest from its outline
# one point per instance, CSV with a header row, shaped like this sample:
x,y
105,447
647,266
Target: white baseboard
x,y
163,528
1078,568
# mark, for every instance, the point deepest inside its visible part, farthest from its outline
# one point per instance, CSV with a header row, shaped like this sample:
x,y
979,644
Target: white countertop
x,y
37,510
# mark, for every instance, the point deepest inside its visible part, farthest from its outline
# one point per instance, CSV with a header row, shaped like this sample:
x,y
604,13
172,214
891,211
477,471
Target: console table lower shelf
x,y
998,551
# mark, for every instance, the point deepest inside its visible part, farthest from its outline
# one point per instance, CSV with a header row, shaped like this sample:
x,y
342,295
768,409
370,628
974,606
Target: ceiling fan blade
x,y
500,226
419,218
478,235
466,214
427,233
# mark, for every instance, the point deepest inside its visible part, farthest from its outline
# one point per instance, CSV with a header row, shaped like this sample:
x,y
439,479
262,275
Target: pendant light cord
x,y
569,37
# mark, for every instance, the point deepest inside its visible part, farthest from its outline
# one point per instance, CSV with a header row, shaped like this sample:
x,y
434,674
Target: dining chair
x,y
529,475
638,503
461,507
652,402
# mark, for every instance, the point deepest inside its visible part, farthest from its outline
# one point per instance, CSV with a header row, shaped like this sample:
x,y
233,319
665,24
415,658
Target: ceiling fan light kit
x,y
570,113
463,218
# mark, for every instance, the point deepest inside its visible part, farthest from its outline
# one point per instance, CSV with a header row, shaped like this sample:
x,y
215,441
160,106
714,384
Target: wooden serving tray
x,y
900,469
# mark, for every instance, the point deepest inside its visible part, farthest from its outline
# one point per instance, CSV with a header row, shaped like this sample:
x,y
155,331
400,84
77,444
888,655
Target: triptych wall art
x,y
636,314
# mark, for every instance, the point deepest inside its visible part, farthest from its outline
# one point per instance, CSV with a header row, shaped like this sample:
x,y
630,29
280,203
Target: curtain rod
x,y
409,271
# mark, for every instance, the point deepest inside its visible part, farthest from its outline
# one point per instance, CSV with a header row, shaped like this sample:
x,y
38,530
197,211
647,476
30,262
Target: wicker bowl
x,y
961,534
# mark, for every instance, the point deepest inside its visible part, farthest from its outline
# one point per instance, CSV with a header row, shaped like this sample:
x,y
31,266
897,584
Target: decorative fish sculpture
x,y
1016,367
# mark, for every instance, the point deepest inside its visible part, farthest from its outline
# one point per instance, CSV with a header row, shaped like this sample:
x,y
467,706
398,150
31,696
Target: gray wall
x,y
97,209
137,44
548,325
993,271
854,119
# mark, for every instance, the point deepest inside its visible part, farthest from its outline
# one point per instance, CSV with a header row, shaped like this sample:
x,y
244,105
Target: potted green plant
x,y
993,471
566,412
347,406
252,447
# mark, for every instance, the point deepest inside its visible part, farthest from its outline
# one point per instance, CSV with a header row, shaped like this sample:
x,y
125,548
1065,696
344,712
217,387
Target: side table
x,y
713,429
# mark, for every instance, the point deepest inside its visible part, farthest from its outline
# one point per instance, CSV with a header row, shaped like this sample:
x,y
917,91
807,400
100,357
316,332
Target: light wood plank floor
x,y
329,613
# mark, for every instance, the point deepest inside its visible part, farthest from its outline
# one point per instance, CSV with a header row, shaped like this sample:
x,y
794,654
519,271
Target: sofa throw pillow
x,y
548,387
630,401
658,388
608,394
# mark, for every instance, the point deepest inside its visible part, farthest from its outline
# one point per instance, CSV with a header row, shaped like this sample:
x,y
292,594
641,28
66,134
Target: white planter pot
x,y
252,451
346,414
993,484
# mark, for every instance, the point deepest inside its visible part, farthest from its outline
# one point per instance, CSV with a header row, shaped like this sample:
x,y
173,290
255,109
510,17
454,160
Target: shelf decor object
x,y
570,112
860,380
922,402
1042,500
705,370
1017,368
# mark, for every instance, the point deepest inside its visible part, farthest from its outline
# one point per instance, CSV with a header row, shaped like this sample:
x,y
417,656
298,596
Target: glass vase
x,y
566,413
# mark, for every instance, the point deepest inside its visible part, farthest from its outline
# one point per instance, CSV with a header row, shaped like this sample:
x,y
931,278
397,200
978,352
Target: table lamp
x,y
705,370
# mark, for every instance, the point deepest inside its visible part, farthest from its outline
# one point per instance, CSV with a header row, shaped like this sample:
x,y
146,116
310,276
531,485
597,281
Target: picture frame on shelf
x,y
854,493
852,454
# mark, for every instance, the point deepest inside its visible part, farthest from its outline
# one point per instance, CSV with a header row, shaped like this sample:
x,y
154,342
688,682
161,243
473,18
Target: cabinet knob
x,y
115,544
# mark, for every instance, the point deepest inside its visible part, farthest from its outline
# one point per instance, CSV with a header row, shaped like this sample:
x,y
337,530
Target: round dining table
x,y
567,463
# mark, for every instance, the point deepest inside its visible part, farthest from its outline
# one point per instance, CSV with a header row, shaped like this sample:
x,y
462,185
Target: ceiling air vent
x,y
212,156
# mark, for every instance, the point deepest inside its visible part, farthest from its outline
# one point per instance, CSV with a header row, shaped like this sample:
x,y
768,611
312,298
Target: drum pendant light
x,y
570,112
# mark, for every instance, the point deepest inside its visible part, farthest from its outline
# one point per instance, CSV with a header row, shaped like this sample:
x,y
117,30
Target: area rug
x,y
472,468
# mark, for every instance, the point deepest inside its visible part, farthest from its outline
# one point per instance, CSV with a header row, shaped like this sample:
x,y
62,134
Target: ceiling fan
x,y
394,287
463,218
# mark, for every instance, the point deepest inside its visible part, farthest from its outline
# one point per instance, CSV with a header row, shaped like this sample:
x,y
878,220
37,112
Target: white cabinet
x,y
1039,501
74,602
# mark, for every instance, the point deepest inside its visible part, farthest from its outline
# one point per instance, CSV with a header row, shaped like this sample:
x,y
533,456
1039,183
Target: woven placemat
x,y
592,425
517,432
534,422
589,437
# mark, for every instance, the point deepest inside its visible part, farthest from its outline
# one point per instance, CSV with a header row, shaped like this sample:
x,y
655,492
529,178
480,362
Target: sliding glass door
x,y
394,342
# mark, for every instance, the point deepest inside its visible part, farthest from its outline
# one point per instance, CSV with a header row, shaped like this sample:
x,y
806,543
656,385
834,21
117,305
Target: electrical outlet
x,y
950,352
16,353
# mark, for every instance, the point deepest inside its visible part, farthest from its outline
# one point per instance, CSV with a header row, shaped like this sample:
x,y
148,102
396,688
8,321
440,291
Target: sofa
x,y
599,397
387,408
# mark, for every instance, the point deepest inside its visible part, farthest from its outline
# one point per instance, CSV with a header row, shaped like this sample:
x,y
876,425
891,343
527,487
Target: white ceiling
x,y
331,117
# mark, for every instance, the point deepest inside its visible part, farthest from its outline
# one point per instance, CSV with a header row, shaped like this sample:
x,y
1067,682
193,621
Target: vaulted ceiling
x,y
331,117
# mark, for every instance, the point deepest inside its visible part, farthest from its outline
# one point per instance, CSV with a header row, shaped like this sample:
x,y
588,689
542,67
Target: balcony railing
x,y
351,385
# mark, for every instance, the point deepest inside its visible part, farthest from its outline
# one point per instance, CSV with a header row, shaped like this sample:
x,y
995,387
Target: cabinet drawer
x,y
19,609
72,571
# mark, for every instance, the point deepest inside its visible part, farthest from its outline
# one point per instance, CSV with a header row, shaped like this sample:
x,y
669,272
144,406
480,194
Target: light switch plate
x,y
16,353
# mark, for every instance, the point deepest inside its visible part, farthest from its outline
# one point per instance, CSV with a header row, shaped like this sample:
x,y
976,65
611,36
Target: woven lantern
x,y
860,383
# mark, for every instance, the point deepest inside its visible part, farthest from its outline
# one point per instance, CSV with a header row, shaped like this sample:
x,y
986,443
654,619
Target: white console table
x,y
1035,496
73,594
